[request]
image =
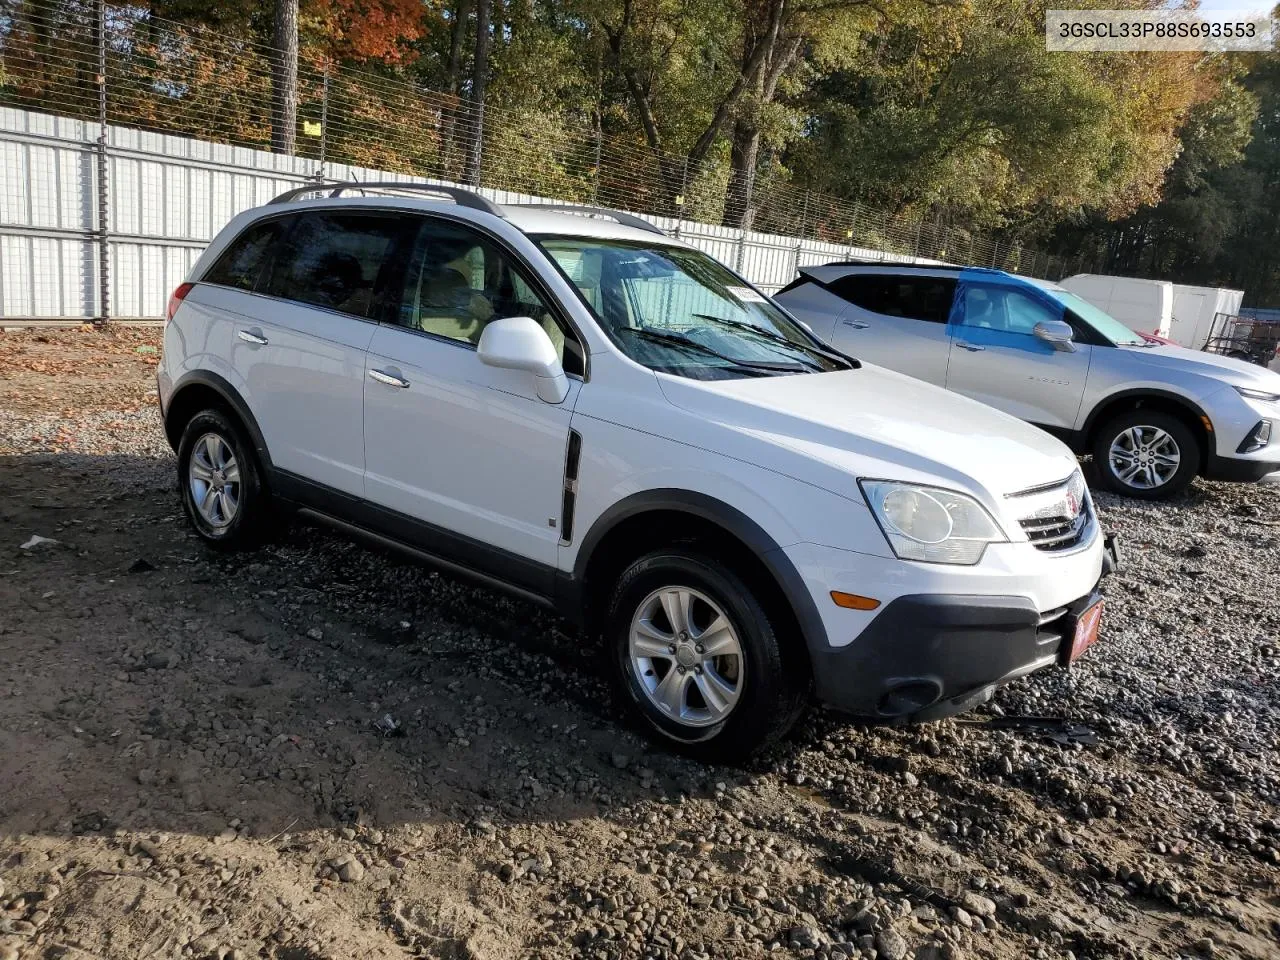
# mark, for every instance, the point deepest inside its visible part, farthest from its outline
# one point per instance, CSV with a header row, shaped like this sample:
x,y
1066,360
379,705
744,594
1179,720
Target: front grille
x,y
1055,517
1056,533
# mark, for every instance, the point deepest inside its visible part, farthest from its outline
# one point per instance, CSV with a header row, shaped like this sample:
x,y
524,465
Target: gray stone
x,y
977,904
890,945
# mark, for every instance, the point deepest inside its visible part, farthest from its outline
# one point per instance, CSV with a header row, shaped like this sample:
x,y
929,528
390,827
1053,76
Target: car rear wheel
x,y
696,659
1146,454
221,483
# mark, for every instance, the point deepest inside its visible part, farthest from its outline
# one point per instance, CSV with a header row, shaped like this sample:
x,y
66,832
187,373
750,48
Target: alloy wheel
x,y
1144,457
686,656
214,479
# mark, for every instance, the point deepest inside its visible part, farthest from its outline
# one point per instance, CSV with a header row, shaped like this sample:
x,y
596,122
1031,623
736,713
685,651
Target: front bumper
x,y
929,656
945,637
1239,470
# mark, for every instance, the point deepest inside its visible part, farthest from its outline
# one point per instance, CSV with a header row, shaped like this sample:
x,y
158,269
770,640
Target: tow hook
x,y
1110,555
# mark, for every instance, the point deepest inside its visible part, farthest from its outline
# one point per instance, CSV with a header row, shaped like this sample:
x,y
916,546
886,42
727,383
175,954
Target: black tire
x,y
250,520
774,686
1186,442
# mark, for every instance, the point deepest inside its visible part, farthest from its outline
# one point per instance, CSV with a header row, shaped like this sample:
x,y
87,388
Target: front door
x,y
467,449
996,358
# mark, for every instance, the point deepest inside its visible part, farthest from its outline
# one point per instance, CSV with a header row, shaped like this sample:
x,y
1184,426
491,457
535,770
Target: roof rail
x,y
626,219
872,262
460,195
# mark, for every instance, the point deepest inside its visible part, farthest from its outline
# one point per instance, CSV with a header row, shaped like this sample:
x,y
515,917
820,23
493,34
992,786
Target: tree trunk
x,y
284,77
743,153
457,42
479,80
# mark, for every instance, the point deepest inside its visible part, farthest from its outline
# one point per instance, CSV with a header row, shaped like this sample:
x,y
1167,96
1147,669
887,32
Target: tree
x,y
479,80
284,77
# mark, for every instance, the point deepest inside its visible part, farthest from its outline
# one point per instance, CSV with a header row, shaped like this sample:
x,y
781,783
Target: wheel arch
x,y
201,389
652,518
1186,410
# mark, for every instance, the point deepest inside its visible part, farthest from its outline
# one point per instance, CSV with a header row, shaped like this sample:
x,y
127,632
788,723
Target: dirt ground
x,y
317,751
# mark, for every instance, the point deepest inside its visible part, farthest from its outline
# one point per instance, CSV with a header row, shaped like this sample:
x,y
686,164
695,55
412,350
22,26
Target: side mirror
x,y
520,343
1056,333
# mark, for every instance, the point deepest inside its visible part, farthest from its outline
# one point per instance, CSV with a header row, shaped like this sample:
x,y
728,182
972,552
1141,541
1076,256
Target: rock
x,y
978,905
890,945
162,660
348,868
806,937
315,633
962,916
1205,946
620,761
8,952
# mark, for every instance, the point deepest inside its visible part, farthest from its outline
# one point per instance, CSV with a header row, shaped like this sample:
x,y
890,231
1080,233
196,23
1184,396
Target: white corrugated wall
x,y
168,197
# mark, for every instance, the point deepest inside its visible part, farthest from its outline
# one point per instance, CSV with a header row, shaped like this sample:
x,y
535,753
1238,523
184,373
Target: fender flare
x,y
733,521
231,396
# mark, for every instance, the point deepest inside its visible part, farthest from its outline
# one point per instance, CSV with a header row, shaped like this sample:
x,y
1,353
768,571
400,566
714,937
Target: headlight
x,y
1257,394
930,523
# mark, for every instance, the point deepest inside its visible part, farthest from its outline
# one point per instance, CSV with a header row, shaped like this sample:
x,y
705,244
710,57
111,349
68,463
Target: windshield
x,y
1100,320
679,311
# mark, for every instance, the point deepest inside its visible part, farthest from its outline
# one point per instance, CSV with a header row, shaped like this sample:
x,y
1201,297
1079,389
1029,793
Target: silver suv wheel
x,y
1144,457
214,477
686,656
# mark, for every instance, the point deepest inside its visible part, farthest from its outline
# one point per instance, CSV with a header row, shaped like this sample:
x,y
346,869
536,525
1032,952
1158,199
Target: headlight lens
x,y
931,523
1257,394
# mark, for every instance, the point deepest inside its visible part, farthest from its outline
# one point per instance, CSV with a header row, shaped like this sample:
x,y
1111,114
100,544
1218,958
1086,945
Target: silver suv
x,y
1153,416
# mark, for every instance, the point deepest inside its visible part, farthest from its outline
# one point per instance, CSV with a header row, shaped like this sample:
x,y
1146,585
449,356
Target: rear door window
x,y
898,295
337,260
242,262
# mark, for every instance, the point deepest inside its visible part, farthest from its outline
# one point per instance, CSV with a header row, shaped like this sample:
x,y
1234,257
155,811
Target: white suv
x,y
575,408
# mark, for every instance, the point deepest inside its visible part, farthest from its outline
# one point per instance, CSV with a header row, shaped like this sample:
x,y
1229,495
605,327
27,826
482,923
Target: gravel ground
x,y
195,760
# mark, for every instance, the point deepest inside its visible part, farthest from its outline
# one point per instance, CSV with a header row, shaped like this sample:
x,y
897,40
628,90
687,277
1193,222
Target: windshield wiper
x,y
777,338
676,340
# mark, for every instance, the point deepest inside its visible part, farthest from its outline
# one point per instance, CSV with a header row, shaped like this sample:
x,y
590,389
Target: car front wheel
x,y
696,658
1146,454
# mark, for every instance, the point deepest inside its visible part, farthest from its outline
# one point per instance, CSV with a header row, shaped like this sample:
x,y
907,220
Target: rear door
x,y
996,358
897,320
301,346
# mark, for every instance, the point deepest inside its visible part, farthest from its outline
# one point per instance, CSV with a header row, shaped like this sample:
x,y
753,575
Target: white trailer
x,y
1195,308
1144,306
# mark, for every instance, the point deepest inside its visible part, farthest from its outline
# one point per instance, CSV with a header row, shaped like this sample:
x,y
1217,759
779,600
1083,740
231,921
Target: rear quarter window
x,y
241,264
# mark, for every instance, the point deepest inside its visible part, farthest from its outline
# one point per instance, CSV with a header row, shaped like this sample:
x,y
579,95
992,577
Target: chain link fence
x,y
120,67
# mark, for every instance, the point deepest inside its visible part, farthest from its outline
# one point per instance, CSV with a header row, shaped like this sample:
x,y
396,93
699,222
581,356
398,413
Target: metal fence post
x,y
324,122
104,220
742,249
595,180
804,213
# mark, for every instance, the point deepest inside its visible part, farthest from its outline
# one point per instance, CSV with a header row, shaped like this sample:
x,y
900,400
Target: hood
x,y
872,422
1215,365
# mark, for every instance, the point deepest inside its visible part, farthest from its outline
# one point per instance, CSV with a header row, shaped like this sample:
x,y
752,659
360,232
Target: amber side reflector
x,y
1207,425
851,601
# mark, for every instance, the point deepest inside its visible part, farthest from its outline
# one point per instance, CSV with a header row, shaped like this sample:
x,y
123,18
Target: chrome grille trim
x,y
1055,517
